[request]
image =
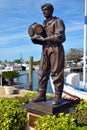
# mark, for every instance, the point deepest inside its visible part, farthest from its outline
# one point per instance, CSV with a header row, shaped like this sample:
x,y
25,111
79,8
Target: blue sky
x,y
17,15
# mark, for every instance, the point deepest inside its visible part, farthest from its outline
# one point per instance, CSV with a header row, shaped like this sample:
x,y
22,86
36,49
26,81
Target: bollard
x,y
31,73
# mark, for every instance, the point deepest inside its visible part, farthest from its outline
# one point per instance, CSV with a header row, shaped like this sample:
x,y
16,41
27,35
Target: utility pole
x,y
85,45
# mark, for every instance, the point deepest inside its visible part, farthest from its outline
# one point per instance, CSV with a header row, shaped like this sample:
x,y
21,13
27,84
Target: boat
x,y
73,87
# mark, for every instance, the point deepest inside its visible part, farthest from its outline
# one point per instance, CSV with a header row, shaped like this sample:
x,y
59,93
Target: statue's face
x,y
47,12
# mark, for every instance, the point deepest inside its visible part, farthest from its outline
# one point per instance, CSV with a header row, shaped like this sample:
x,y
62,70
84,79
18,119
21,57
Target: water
x,y
35,83
49,88
24,79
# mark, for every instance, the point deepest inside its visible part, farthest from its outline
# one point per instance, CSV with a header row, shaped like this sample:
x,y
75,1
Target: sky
x,y
17,15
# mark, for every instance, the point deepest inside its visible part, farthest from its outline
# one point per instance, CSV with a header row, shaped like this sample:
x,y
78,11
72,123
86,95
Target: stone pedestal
x,y
42,108
47,107
32,118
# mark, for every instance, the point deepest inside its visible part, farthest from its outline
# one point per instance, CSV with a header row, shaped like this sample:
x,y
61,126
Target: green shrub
x,y
76,120
49,95
12,116
80,114
30,95
82,105
81,128
62,122
25,99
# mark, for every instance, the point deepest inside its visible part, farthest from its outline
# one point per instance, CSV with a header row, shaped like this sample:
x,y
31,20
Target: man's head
x,y
47,10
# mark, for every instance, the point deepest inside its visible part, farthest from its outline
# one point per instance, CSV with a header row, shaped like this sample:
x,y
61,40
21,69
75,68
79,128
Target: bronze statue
x,y
52,60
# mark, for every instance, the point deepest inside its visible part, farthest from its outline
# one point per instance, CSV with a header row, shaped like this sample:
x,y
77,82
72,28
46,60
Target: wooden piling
x,y
31,73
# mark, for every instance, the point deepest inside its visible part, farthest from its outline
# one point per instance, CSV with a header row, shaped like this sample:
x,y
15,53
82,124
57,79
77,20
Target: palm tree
x,y
10,75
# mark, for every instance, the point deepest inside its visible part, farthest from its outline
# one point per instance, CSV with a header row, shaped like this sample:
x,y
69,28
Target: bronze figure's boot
x,y
58,96
40,97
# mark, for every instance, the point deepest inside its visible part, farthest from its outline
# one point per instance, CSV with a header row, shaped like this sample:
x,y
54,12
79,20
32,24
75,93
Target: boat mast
x,y
85,45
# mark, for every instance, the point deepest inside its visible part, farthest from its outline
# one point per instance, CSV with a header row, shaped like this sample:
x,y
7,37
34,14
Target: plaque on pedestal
x,y
46,107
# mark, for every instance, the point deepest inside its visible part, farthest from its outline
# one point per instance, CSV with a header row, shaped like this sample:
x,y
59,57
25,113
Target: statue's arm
x,y
56,38
59,33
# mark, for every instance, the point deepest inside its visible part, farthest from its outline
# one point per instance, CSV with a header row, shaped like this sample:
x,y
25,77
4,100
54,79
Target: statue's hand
x,y
41,39
36,39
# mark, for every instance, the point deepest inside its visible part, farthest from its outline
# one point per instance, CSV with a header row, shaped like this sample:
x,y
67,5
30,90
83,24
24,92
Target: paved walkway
x,y
3,94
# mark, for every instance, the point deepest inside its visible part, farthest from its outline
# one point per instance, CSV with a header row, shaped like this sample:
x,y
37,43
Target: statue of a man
x,y
52,60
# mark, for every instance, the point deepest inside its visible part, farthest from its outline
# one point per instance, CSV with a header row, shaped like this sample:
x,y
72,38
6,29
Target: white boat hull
x,y
72,91
82,94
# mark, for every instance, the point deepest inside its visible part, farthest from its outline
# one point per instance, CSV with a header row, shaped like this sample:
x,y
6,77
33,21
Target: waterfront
x,y
35,83
24,79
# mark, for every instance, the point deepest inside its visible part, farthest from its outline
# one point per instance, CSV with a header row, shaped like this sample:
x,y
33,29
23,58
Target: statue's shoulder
x,y
59,20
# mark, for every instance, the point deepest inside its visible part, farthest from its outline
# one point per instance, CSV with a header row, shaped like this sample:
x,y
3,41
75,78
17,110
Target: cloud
x,y
17,15
8,38
74,26
7,28
12,53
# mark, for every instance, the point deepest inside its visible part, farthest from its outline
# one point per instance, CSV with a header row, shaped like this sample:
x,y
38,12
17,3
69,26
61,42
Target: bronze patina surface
x,y
52,59
46,107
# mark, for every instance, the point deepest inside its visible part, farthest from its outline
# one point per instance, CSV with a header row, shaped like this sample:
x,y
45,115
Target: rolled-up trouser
x,y
52,63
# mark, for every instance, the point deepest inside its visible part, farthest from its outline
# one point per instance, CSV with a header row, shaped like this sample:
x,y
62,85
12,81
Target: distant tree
x,y
18,61
36,62
6,61
27,62
74,54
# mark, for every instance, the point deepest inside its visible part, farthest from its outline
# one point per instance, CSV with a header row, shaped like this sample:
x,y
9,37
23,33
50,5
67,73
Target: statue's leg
x,y
57,72
43,76
59,83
